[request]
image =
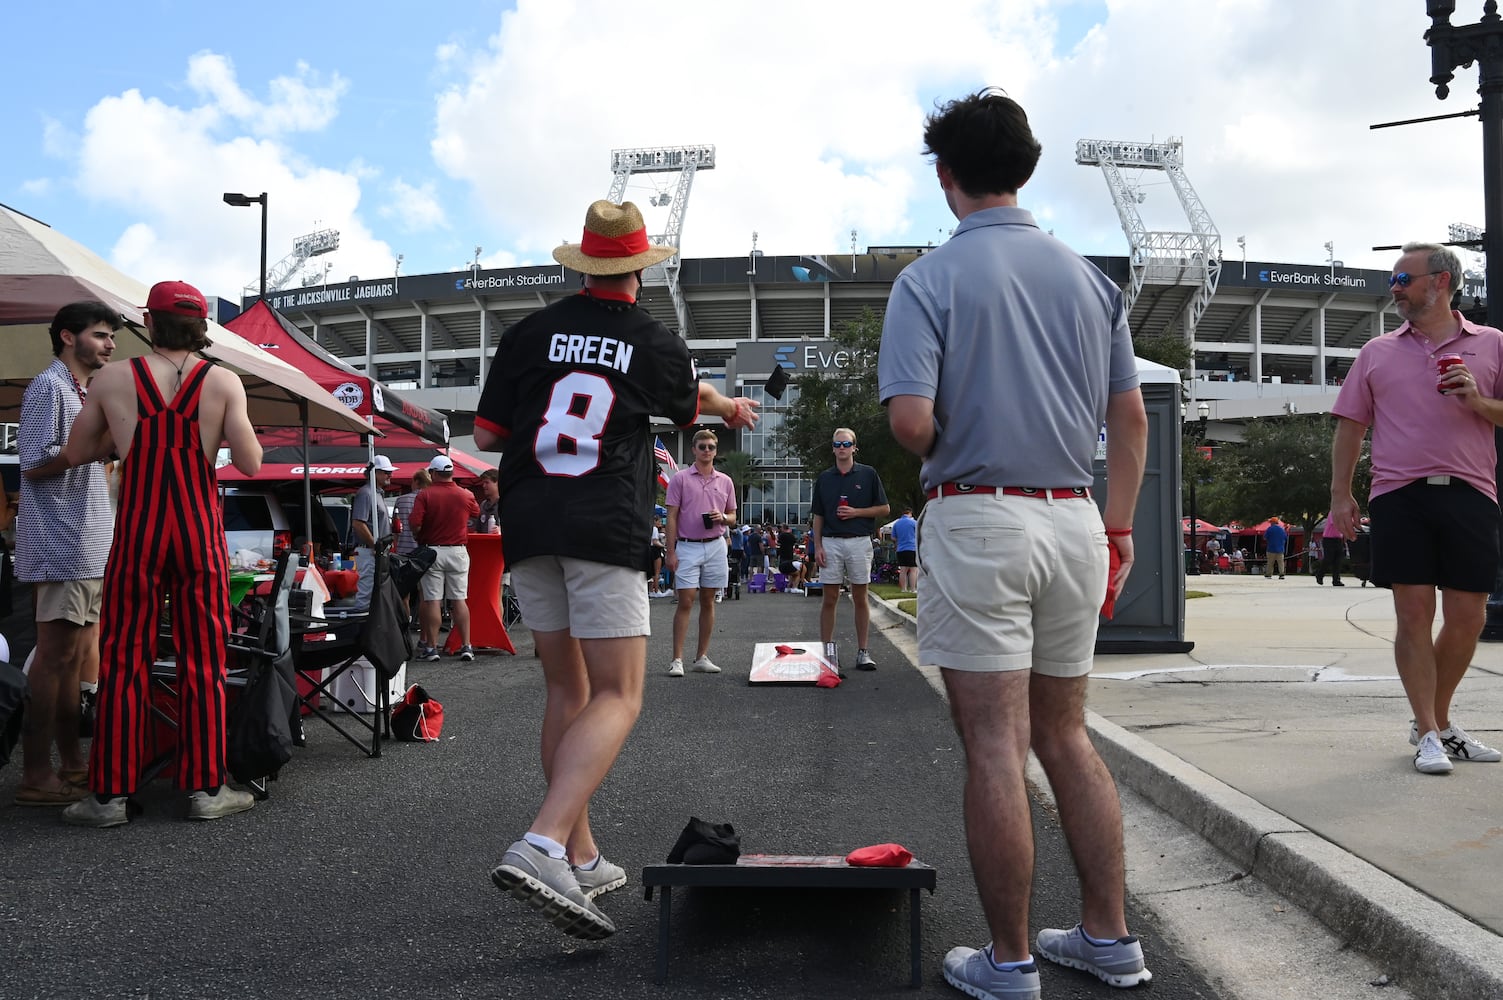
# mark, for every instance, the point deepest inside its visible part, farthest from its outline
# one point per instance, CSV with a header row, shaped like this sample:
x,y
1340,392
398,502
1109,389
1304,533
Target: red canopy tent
x,y
337,457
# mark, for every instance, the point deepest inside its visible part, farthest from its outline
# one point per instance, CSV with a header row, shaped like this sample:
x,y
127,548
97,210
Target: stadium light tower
x,y
1242,242
1331,258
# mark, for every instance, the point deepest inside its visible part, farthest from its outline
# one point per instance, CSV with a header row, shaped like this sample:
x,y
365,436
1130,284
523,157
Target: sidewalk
x,y
1282,738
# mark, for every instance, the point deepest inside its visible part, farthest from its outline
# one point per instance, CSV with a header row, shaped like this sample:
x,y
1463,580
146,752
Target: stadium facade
x,y
1275,338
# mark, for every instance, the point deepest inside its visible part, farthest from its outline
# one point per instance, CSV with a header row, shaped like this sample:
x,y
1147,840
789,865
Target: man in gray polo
x,y
1003,352
370,521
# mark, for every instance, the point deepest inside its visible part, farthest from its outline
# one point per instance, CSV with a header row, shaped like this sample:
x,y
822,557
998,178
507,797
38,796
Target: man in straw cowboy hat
x,y
574,386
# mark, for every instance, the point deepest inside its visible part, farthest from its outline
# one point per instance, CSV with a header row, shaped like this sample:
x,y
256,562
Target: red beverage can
x,y
1445,363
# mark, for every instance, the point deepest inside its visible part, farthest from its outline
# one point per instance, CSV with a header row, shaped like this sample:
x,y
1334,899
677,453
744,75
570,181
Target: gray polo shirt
x,y
1019,341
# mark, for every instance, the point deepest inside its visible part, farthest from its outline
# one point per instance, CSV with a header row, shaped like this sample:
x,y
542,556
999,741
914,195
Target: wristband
x,y
1118,532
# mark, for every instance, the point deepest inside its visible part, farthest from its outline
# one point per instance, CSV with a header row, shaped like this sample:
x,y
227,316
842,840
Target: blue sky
x,y
429,130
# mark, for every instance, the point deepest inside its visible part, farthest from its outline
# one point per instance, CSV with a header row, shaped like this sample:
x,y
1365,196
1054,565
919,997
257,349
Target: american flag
x,y
660,453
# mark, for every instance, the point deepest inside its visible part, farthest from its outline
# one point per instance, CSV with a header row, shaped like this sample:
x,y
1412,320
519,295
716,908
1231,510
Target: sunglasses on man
x,y
842,444
1403,278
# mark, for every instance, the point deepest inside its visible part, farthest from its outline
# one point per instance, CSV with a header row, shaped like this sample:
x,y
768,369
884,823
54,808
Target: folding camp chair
x,y
260,639
378,636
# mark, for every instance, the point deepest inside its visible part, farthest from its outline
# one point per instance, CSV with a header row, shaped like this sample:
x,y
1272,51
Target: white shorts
x,y
701,564
847,560
1011,583
449,576
590,599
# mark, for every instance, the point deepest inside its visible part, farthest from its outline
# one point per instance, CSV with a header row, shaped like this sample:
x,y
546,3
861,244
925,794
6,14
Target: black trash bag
x,y
384,638
260,737
14,696
704,843
407,571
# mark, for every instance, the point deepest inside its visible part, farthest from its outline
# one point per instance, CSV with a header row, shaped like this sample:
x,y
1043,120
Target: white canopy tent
x,y
42,270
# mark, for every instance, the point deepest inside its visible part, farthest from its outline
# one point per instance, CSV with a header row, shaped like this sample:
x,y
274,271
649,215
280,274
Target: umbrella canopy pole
x,y
302,408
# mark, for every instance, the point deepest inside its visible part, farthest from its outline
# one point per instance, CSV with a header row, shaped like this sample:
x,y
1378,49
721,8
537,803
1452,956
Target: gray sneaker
x,y
226,802
864,660
548,884
90,811
603,878
973,973
1117,963
466,653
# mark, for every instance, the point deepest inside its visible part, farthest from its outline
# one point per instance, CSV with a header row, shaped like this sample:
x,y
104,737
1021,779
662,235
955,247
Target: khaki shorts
x,y
449,576
75,601
1011,583
701,564
591,600
847,560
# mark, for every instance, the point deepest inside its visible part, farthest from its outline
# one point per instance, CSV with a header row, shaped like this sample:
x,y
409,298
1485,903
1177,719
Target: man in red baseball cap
x,y
166,414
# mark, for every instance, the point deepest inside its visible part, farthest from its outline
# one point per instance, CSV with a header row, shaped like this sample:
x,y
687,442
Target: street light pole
x,y
1453,47
245,201
1202,415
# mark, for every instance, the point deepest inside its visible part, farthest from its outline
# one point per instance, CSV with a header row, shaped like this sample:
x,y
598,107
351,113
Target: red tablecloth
x,y
486,566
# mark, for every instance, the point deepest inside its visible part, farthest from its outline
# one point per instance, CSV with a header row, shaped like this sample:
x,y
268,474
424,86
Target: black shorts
x,y
1445,536
656,553
907,558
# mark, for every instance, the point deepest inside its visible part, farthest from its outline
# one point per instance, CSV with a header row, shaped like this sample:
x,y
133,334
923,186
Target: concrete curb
x,y
1424,944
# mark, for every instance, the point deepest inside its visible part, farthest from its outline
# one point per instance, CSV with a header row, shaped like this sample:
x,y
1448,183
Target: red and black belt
x,y
1037,492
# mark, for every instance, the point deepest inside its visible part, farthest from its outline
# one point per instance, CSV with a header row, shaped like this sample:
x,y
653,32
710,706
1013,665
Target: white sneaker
x,y
705,666
796,590
1459,745
1431,757
718,595
676,667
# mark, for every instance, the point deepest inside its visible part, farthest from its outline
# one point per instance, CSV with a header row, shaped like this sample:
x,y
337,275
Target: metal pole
x,y
263,245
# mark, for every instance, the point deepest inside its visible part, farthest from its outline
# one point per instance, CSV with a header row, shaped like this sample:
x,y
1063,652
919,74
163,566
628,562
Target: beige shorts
x,y
75,601
701,564
847,560
1011,583
591,600
449,576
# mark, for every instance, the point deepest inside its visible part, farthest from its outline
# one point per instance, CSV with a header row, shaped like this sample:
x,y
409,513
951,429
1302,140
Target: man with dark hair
x,y
488,521
848,498
62,544
165,415
1003,352
1434,498
573,388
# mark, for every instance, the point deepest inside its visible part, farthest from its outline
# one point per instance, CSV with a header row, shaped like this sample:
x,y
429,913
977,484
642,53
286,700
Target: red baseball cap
x,y
177,297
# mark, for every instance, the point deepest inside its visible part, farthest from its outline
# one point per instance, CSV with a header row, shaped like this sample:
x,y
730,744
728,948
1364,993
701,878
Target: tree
x,y
848,398
1168,349
747,475
1282,466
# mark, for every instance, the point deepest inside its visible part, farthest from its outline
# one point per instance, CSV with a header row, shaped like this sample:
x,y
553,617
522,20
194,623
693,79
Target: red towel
x,y
1109,606
880,856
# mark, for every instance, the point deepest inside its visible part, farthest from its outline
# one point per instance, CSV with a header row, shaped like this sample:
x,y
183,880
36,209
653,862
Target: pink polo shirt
x,y
694,496
1417,432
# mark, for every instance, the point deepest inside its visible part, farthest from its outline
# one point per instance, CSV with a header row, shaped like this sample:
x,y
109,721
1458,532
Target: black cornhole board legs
x,y
770,871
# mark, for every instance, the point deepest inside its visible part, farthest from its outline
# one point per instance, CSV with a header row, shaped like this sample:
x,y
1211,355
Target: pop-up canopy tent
x,y
268,330
42,270
413,433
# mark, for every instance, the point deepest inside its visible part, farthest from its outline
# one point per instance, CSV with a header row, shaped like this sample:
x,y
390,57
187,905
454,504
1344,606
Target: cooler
x,y
356,689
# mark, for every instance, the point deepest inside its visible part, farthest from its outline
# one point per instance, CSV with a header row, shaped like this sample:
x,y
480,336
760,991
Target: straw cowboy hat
x,y
615,242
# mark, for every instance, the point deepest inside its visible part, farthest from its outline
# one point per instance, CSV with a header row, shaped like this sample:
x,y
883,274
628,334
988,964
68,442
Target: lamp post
x,y
245,201
1202,415
1453,47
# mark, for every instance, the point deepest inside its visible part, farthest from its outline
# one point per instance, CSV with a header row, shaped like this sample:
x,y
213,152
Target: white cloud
x,y
298,103
416,209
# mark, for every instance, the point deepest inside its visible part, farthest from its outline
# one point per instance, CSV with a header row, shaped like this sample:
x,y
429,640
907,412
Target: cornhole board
x,y
790,871
768,667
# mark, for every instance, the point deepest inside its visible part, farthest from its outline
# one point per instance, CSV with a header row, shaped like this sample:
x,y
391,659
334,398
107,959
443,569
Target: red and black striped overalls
x,y
169,537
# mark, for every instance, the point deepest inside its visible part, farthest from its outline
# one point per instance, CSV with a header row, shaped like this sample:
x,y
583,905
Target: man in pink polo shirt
x,y
701,503
1434,500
